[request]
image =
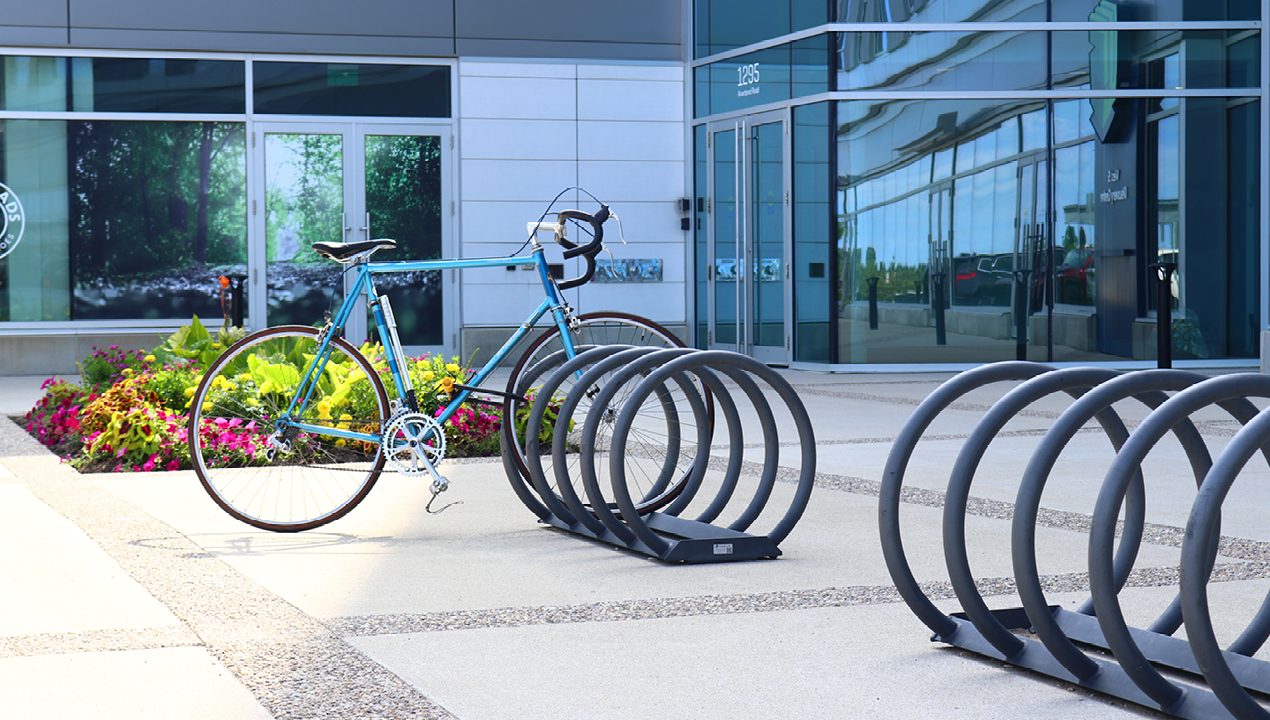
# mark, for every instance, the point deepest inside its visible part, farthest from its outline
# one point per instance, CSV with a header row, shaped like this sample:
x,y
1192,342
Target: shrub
x,y
141,439
103,368
471,433
54,420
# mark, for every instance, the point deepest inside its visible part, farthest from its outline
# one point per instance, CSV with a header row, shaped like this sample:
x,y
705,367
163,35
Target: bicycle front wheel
x,y
254,463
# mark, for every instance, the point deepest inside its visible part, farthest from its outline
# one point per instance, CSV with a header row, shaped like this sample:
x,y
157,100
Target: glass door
x,y
749,237
300,199
404,196
346,183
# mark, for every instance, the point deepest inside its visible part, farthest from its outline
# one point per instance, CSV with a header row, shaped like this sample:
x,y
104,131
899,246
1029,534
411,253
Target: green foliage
x,y
193,343
171,385
103,368
156,196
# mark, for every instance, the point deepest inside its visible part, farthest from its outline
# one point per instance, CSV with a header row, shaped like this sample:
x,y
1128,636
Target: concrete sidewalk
x,y
133,596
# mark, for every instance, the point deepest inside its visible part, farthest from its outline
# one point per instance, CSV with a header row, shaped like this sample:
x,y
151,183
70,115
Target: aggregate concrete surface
x,y
133,595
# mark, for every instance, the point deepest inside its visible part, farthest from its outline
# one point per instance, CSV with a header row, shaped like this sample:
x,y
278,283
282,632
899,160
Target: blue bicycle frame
x,y
364,284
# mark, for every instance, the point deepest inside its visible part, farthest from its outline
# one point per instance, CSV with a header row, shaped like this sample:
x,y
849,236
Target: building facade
x,y
899,182
832,184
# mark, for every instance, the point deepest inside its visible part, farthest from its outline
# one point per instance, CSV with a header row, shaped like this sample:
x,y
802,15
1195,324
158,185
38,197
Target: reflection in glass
x,y
304,204
157,212
999,60
364,90
1079,10
939,11
1011,280
403,201
726,251
35,279
123,84
767,227
34,83
1124,59
811,262
701,241
152,214
1074,256
723,25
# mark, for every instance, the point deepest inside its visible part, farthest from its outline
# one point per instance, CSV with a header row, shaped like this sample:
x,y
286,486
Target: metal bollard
x,y
873,302
1164,312
237,304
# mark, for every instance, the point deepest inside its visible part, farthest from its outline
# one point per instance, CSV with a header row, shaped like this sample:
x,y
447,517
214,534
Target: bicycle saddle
x,y
341,252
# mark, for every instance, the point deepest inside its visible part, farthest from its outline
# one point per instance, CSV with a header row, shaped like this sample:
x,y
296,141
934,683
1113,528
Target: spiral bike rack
x,y
614,383
1200,680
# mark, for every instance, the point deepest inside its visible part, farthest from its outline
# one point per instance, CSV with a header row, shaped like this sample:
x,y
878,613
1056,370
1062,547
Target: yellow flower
x,y
244,377
216,346
344,418
341,442
428,375
189,392
207,407
451,367
324,409
127,371
149,358
446,385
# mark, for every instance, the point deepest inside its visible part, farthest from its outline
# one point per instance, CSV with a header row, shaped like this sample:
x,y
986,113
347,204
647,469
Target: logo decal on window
x,y
14,222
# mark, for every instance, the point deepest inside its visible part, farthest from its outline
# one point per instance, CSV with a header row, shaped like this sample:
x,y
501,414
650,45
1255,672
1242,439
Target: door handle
x,y
366,227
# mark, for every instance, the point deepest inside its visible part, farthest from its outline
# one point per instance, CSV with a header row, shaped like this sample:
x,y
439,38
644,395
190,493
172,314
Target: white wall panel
x,y
632,71
520,139
487,222
518,98
526,69
621,140
630,100
632,179
516,179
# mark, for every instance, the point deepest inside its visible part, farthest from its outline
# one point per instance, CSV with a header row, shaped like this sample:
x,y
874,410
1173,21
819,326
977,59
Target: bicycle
x,y
291,426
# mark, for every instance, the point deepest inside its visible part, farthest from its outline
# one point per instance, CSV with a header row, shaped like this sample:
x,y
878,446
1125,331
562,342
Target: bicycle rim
x,y
313,478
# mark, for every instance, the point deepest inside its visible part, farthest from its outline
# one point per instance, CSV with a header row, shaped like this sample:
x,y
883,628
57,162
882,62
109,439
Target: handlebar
x,y
587,251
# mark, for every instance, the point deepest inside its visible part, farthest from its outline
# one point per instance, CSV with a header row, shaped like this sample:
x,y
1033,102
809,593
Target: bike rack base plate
x,y
1198,703
690,542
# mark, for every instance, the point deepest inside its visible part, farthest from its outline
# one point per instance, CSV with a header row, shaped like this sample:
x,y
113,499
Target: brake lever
x,y
621,233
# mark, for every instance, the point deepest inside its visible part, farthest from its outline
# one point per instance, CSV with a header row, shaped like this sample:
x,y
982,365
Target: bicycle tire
x,y
332,486
597,328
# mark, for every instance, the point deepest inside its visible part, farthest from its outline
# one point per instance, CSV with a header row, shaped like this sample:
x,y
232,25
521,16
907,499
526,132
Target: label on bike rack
x,y
723,548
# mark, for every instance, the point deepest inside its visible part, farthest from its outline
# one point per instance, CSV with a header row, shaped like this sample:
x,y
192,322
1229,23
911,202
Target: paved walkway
x,y
132,596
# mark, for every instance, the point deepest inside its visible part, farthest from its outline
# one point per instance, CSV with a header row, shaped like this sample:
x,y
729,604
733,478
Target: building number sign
x,y
747,78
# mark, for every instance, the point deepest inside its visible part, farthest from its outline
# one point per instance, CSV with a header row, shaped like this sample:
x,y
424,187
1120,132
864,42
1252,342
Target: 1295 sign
x,y
14,220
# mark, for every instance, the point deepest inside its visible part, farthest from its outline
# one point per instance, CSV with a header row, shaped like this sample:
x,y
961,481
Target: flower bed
x,y
130,411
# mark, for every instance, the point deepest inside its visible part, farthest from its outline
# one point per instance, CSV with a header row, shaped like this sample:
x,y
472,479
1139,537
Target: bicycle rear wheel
x,y
259,469
648,485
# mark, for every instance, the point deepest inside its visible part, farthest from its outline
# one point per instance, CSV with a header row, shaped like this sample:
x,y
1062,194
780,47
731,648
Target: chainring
x,y
409,440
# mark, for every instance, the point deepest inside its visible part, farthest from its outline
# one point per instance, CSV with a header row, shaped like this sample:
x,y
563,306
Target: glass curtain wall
x,y
995,193
132,206
120,219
